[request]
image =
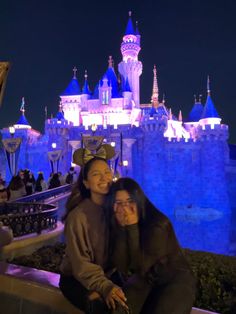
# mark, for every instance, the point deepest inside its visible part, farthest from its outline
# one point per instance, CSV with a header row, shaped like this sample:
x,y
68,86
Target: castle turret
x,y
85,94
71,101
130,68
209,114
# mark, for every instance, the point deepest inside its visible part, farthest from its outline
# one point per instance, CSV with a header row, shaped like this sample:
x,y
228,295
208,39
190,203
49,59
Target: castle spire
x,y
180,116
208,86
154,99
75,72
22,108
130,28
110,62
85,89
136,30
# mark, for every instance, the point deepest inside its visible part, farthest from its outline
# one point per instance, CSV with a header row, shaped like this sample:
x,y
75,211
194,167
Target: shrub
x,y
216,275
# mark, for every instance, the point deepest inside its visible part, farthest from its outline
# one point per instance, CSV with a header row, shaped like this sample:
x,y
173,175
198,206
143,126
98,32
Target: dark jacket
x,y
149,249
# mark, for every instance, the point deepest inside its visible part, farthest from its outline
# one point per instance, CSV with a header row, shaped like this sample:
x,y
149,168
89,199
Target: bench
x,y
28,290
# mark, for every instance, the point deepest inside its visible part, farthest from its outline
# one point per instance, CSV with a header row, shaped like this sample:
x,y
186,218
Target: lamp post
x,y
94,128
125,164
11,147
54,157
12,130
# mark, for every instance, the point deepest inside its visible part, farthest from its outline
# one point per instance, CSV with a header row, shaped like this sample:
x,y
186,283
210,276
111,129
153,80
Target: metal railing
x,y
26,218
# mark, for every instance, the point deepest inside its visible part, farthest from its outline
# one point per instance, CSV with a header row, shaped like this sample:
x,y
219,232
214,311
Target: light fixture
x,y
113,144
125,163
54,145
12,130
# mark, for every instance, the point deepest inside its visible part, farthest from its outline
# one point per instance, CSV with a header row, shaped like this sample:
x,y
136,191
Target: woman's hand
x,y
126,215
116,295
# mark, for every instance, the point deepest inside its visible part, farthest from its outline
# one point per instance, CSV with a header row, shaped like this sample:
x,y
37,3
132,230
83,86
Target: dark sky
x,y
187,40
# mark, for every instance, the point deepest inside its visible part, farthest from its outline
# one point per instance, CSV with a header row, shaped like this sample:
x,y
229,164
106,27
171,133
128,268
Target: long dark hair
x,y
148,213
79,191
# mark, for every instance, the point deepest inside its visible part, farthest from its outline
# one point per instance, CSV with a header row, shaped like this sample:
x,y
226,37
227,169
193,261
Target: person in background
x,y
54,182
85,278
29,182
40,184
3,192
61,178
156,276
6,235
16,188
70,176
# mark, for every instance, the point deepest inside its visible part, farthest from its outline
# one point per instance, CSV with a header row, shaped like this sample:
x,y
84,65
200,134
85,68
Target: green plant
x,y
216,275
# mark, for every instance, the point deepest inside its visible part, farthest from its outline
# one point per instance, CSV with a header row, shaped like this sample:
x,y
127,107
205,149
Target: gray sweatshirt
x,y
86,232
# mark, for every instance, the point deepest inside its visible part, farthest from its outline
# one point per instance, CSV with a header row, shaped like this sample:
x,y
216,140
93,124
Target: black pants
x,y
77,294
176,297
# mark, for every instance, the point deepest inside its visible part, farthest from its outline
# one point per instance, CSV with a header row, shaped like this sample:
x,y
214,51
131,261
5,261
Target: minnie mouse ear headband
x,y
93,148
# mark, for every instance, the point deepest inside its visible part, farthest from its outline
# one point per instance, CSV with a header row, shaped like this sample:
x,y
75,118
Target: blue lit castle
x,y
179,164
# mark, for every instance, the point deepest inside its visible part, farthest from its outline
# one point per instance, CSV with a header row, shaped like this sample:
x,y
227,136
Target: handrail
x,y
40,196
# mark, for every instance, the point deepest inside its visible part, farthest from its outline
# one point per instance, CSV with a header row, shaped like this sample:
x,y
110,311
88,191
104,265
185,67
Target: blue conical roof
x,y
85,89
60,115
73,88
196,112
96,92
209,110
112,81
130,28
23,120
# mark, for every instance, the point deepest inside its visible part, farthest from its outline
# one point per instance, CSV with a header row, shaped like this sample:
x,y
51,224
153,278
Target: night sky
x,y
187,40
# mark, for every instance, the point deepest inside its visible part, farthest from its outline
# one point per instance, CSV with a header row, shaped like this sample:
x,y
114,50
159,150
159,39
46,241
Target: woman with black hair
x,y
157,277
85,281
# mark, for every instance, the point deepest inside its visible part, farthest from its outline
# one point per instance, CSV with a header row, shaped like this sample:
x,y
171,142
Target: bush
x,y
216,275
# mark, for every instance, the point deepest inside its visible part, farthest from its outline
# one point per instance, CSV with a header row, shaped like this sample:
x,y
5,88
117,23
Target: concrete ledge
x,y
36,291
31,289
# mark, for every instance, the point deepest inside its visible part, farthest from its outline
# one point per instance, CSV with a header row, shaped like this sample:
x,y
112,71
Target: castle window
x,y
105,99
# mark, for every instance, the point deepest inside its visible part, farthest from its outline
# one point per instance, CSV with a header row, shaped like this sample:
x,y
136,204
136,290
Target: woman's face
x,y
99,178
125,209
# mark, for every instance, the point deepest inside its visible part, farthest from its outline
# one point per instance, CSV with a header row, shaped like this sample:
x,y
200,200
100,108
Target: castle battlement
x,y
55,123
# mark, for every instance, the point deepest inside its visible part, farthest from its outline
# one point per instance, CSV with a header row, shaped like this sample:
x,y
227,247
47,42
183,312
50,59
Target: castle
x,y
179,164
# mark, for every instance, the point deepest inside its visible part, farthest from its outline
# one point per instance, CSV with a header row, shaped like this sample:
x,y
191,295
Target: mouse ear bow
x,y
82,155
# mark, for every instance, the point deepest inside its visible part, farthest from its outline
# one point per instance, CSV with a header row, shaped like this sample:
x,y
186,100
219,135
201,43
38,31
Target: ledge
x,y
37,288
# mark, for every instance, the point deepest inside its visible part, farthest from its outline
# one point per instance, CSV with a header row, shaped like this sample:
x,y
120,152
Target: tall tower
x,y
130,68
155,92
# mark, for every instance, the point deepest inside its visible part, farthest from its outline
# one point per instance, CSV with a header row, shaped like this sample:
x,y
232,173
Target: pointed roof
x,y
130,28
73,88
85,89
197,110
22,120
209,110
60,113
112,79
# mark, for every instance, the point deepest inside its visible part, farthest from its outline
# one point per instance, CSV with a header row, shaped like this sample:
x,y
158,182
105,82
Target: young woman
x,y
157,278
84,280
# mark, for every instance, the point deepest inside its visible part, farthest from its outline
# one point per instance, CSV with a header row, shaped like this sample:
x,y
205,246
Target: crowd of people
x,y
25,183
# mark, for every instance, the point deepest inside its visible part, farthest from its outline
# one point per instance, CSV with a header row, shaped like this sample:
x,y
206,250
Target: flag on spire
x,y
4,69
